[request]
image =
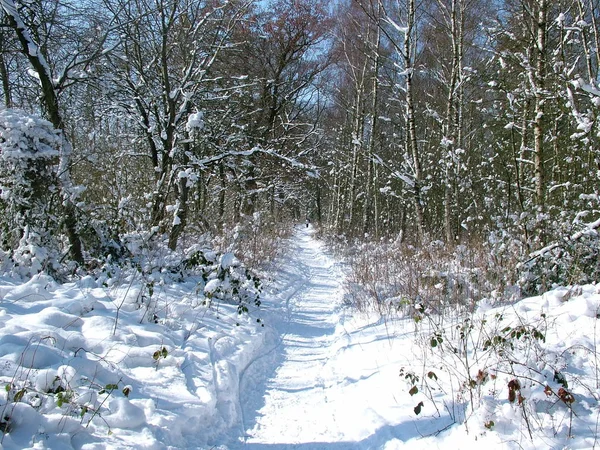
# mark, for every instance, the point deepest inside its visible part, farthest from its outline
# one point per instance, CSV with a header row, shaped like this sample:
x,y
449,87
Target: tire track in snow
x,y
296,286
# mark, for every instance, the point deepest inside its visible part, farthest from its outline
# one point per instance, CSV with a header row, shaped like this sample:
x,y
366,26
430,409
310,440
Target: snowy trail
x,y
317,373
298,386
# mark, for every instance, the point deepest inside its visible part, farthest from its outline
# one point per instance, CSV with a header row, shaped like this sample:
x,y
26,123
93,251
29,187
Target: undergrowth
x,y
256,242
483,362
393,278
507,367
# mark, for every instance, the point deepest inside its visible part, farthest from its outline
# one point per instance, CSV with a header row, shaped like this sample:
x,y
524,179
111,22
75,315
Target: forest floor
x,y
81,368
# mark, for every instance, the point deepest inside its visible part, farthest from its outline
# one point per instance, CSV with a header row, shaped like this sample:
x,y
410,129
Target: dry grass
x,y
394,278
255,243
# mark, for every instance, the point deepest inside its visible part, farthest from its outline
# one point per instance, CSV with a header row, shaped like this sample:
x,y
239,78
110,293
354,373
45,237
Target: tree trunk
x,y
319,203
370,192
223,181
595,28
357,131
411,122
181,215
451,123
250,194
4,75
539,78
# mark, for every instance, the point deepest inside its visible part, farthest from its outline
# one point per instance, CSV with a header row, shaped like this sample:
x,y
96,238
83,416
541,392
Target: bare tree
x,y
163,57
282,53
398,23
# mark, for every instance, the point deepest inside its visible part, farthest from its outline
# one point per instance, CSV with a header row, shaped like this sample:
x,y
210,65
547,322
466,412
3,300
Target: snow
x,y
195,121
590,89
406,178
400,29
302,371
26,136
445,142
212,286
227,260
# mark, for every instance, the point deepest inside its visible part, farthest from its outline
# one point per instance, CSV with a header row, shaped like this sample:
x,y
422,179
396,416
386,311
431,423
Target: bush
x,y
29,149
574,259
394,278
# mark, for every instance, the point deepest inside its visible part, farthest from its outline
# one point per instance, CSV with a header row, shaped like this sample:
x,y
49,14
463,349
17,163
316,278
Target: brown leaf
x,y
482,377
417,409
513,387
514,384
565,396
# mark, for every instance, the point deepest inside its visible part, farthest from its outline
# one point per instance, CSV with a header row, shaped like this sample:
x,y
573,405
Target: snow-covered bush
x,y
30,257
573,257
29,149
527,368
224,278
573,262
149,264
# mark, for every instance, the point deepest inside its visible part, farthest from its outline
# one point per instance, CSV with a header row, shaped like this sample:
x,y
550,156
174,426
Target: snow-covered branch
x,y
589,229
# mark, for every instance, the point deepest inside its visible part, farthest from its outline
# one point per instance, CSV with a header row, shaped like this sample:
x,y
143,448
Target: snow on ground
x,y
83,367
78,374
332,379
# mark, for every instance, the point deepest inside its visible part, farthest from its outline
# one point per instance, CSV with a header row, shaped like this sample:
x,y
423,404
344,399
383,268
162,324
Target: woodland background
x,y
424,132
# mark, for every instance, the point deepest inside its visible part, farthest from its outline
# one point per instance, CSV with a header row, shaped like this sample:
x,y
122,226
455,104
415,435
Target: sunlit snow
x,y
75,375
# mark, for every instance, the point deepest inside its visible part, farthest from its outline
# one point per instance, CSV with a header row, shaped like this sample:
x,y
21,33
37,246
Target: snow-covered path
x,y
318,370
298,387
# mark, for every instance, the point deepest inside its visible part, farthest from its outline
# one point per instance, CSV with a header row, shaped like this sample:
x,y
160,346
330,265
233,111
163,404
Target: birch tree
x,y
399,25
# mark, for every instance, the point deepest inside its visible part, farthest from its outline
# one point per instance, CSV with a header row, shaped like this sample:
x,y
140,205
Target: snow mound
x,y
81,366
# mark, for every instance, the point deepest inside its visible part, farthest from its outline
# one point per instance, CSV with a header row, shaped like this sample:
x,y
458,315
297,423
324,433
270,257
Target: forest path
x,y
319,386
295,398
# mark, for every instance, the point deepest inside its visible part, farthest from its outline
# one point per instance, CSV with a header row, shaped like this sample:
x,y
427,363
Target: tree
x,y
282,54
398,22
163,55
4,66
49,98
29,151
